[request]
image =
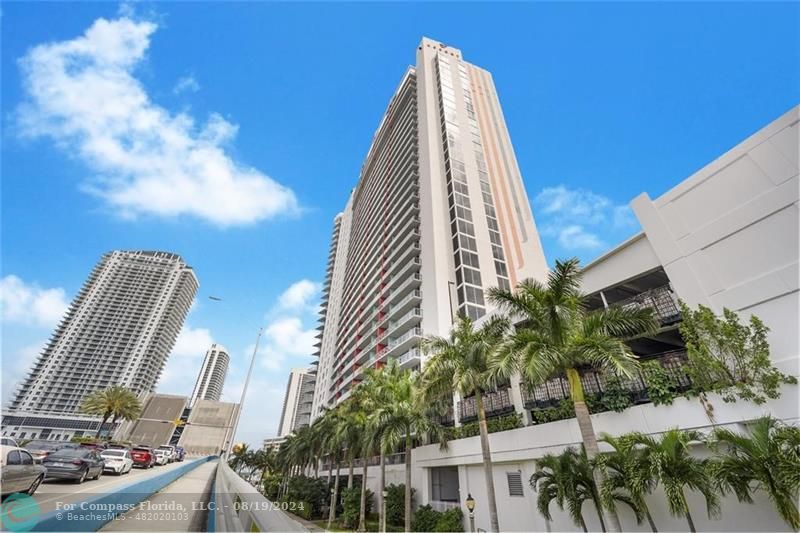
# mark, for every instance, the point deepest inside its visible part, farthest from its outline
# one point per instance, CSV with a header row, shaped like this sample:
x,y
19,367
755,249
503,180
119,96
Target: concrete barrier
x,y
88,518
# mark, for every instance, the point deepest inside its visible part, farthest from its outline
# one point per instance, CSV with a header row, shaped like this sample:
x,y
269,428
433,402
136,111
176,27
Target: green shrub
x,y
272,484
425,519
615,397
311,490
661,386
396,504
303,510
565,409
493,425
450,520
351,504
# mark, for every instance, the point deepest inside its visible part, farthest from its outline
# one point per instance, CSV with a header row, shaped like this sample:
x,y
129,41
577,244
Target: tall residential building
x,y
296,412
119,330
439,215
211,379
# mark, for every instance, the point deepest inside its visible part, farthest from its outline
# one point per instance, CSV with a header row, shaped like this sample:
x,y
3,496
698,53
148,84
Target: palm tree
x,y
117,402
626,474
461,363
557,335
239,457
334,445
766,459
672,465
403,415
565,479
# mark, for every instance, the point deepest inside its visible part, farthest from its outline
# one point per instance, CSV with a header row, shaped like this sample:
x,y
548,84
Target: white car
x,y
117,461
170,451
162,456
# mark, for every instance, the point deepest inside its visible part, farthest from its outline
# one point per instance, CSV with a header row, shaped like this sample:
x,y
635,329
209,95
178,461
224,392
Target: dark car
x,y
180,453
143,457
99,446
40,449
77,464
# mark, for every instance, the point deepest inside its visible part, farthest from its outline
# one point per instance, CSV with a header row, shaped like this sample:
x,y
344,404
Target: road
x,y
54,492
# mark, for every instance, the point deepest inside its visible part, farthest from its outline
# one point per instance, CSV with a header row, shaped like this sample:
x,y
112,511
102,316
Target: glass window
x,y
13,458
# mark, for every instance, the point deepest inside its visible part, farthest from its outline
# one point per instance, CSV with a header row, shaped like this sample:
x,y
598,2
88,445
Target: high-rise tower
x,y
119,330
211,379
439,215
296,411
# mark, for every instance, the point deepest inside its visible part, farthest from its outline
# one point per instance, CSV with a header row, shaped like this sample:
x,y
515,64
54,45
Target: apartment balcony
x,y
412,282
404,342
553,391
410,359
494,403
660,299
401,325
413,299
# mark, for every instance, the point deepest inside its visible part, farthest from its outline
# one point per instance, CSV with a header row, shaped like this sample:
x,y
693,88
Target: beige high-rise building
x,y
439,215
211,379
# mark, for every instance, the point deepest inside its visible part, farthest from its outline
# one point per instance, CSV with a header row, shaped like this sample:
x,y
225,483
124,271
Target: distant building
x,y
273,443
296,412
119,330
211,379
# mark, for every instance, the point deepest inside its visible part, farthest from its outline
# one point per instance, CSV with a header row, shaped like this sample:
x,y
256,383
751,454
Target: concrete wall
x,y
208,429
157,422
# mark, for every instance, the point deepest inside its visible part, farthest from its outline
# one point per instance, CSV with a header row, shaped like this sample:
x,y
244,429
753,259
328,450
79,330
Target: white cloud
x,y
186,83
30,304
82,93
299,295
185,360
577,217
17,366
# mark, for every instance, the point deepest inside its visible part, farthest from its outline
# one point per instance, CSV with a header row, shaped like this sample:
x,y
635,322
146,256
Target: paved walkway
x,y
180,506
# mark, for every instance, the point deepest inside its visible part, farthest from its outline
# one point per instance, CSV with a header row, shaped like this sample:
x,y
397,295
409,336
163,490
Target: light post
x,y
385,493
244,393
471,508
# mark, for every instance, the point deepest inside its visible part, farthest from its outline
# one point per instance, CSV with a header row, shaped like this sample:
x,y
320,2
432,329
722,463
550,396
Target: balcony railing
x,y
494,403
551,392
659,299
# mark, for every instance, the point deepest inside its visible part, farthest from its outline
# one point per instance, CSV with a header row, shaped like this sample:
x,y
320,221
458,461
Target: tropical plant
x,y
114,403
567,480
767,458
557,335
351,506
729,357
395,504
450,520
669,462
626,475
461,363
401,415
425,518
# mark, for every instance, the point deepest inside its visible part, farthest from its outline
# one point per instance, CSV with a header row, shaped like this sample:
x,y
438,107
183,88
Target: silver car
x,y
19,472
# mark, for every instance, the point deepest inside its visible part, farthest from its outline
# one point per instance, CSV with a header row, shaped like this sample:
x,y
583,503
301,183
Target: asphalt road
x,y
53,492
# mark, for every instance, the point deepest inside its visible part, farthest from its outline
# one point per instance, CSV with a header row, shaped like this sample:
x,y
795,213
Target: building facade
x,y
296,413
119,330
211,379
439,215
726,237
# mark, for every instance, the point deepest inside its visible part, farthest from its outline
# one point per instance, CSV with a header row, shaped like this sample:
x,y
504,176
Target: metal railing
x,y
551,392
659,299
494,403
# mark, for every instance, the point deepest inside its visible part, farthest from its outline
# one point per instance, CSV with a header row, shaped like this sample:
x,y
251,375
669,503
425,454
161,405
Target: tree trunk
x,y
114,421
589,439
650,520
583,525
487,462
330,470
688,513
332,513
106,416
350,476
316,471
362,511
381,485
408,483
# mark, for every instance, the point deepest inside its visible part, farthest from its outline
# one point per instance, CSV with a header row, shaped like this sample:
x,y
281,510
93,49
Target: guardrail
x,y
89,519
239,506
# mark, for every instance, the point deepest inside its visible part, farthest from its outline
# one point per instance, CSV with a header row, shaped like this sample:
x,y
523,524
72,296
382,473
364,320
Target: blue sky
x,y
603,101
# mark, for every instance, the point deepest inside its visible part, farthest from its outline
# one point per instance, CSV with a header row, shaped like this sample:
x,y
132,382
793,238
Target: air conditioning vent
x,y
514,483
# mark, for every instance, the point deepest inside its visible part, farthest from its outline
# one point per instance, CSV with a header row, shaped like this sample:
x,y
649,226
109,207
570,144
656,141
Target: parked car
x,y
170,450
143,456
99,445
162,456
180,453
40,449
117,461
18,471
117,446
77,464
8,441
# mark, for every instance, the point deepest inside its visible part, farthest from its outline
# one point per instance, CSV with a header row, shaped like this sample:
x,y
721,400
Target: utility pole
x,y
244,393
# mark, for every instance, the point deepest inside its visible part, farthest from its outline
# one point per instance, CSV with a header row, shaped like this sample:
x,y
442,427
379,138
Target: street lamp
x,y
471,508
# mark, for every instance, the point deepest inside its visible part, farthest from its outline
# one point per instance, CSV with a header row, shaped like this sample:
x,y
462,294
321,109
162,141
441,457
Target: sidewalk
x,y
180,506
